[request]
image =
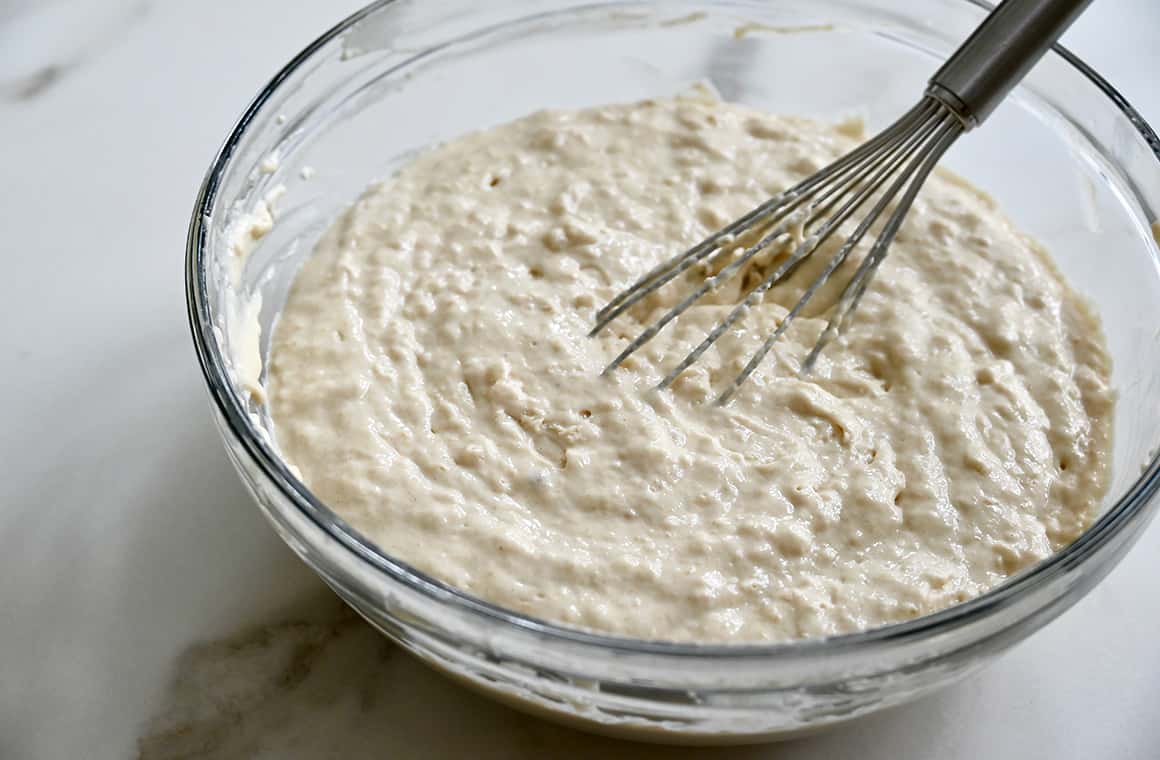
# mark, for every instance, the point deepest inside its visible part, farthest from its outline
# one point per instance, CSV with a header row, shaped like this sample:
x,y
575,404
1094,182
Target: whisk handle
x,y
999,53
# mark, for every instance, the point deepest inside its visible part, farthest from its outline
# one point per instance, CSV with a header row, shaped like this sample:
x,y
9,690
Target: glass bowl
x,y
1071,162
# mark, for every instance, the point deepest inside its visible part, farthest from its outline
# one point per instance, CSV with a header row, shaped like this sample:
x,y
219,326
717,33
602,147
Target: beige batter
x,y
431,379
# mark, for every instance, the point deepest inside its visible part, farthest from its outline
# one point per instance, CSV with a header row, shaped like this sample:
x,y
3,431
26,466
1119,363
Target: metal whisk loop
x,y
905,151
912,178
883,168
853,292
768,213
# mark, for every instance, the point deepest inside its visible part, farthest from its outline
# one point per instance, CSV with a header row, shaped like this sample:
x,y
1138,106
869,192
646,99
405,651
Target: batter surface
x,y
431,380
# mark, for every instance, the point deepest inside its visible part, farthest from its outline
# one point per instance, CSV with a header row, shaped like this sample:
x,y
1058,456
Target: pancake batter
x,y
431,379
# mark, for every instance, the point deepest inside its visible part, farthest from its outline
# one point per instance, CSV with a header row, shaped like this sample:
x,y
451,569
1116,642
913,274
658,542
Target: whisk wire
x,y
884,167
782,220
918,119
776,208
920,164
856,288
898,159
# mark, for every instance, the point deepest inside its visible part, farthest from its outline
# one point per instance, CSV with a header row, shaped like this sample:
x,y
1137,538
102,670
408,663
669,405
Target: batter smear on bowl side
x,y
431,379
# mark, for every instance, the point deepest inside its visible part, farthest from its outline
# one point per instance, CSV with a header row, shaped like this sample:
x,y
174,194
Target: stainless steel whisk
x,y
958,98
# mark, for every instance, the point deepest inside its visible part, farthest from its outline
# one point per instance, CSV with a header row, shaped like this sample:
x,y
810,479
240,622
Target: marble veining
x,y
322,683
42,42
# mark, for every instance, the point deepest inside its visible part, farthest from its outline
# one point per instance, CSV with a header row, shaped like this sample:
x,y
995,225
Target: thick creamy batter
x,y
431,379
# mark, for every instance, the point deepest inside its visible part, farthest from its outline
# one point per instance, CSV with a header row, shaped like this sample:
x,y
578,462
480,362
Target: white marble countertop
x,y
126,535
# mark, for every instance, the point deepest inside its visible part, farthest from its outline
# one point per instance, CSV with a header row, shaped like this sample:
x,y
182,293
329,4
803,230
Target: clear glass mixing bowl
x,y
1072,163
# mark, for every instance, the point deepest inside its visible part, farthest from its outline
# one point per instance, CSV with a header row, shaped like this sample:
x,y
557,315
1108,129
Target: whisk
x,y
892,165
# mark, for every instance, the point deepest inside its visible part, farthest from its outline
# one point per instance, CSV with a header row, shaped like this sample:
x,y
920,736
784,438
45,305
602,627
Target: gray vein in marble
x,y
325,685
43,42
35,84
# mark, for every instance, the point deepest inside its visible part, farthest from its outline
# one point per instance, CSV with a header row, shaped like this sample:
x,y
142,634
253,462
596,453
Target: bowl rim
x,y
1127,509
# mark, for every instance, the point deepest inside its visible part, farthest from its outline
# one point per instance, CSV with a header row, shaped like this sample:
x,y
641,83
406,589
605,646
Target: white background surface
x,y
124,533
